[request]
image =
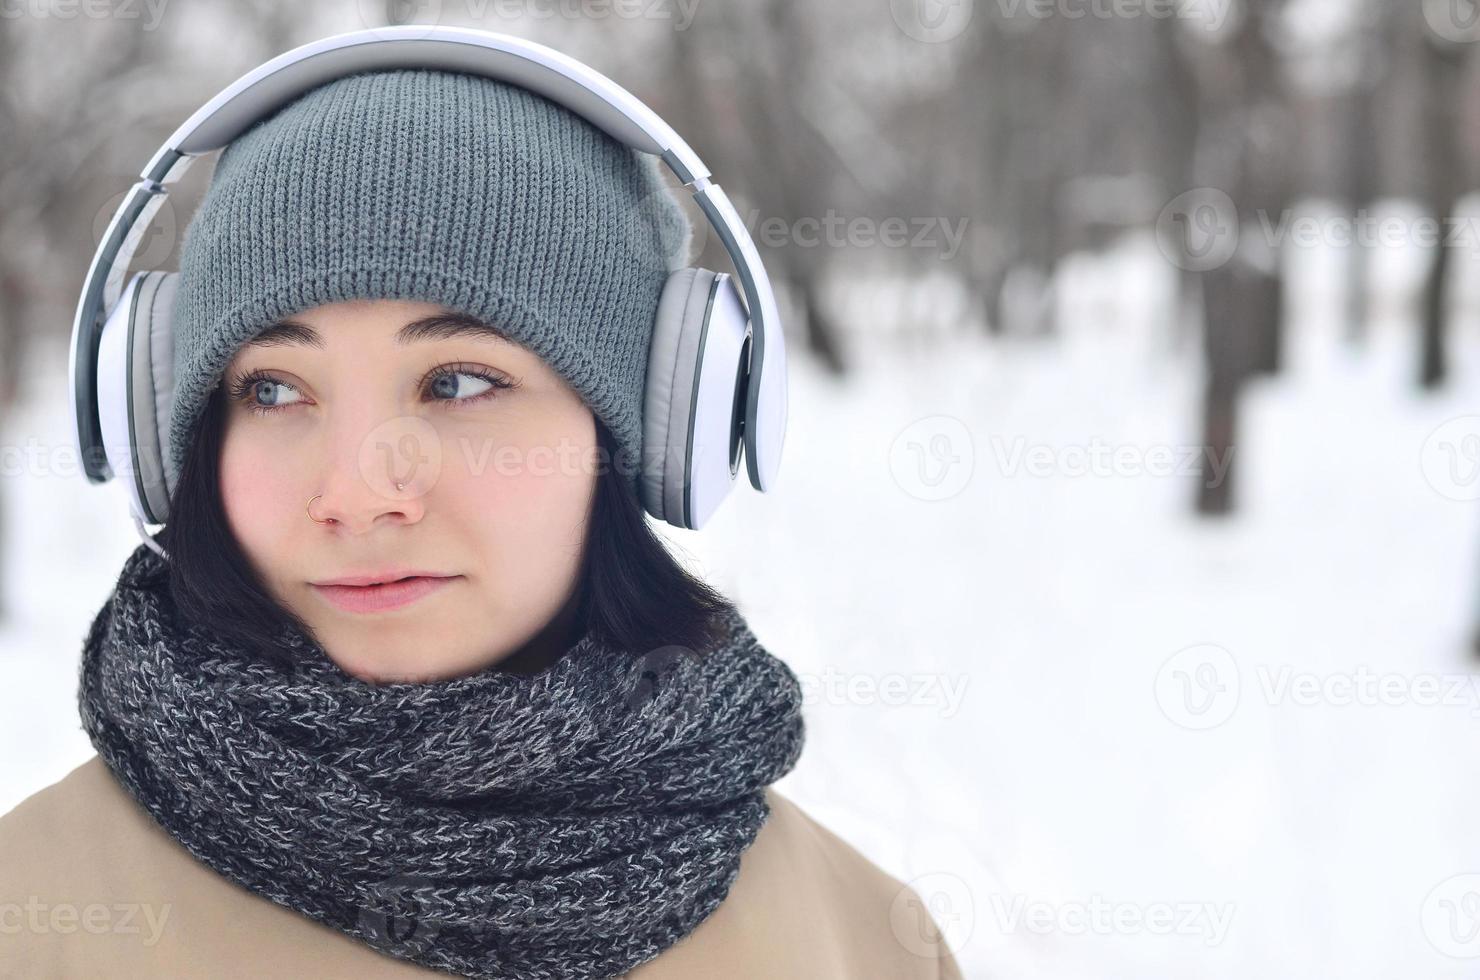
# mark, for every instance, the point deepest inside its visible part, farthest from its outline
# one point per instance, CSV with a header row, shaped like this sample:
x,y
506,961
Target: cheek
x,y
528,485
258,502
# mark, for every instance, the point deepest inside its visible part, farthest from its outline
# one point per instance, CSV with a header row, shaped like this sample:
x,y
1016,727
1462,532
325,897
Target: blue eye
x,y
445,383
446,386
248,388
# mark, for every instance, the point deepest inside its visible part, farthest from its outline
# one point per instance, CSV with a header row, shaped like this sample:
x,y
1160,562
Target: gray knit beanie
x,y
443,187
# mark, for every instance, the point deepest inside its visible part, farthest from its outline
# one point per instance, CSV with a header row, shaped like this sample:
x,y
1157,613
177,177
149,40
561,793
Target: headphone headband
x,y
555,75
503,57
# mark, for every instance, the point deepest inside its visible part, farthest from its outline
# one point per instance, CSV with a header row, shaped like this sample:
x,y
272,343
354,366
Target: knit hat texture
x,y
444,187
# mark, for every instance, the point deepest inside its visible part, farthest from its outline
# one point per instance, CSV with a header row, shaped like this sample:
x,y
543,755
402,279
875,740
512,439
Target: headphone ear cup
x,y
691,425
136,390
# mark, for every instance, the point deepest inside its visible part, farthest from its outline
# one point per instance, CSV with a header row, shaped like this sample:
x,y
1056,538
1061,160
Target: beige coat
x,y
91,887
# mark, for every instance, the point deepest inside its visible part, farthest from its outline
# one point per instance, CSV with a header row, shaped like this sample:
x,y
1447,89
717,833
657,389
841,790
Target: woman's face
x,y
494,453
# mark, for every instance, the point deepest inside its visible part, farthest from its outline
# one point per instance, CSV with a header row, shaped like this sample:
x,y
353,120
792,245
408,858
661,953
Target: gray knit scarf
x,y
570,823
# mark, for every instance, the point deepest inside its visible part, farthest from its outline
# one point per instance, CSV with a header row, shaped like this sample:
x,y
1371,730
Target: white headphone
x,y
716,376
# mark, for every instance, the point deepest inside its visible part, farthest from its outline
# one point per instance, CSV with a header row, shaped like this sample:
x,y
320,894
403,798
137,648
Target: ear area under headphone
x,y
693,410
136,386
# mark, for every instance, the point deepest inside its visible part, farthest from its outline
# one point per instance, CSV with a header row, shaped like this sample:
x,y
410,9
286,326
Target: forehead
x,y
310,328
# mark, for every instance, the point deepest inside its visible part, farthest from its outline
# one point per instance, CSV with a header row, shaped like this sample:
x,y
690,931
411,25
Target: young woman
x,y
417,689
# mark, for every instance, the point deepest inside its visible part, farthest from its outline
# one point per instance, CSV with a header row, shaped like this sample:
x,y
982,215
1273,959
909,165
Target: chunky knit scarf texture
x,y
571,823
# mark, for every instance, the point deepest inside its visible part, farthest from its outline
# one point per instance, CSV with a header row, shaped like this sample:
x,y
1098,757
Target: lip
x,y
383,596
381,576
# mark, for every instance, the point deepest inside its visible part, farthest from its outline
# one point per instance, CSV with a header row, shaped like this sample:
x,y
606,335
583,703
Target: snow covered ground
x,y
1103,738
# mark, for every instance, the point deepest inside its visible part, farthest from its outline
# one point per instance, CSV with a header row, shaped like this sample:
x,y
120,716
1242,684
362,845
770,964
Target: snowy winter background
x,y
1125,779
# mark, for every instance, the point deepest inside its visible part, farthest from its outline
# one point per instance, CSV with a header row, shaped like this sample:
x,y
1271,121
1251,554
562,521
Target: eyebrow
x,y
439,326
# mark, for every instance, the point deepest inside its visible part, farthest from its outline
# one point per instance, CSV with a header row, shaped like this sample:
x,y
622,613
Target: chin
x,y
382,673
394,677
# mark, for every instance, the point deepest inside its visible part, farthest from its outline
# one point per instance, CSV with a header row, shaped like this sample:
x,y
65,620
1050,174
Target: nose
x,y
359,490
